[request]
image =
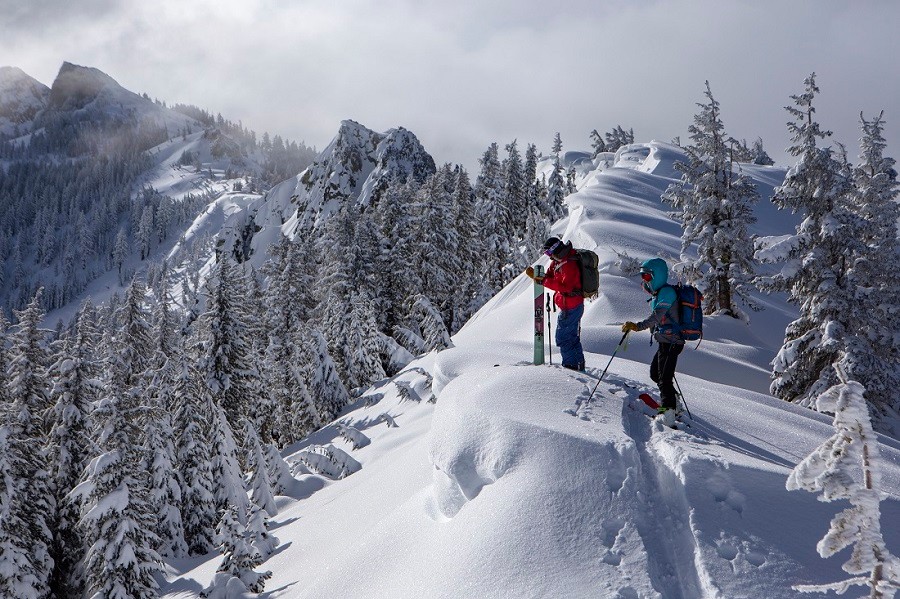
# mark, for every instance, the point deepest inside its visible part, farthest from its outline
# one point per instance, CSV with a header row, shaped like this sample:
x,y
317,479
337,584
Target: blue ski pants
x,y
568,337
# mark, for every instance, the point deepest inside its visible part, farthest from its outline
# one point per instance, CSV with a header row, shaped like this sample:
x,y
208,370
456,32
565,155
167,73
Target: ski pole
x,y
686,408
621,341
549,332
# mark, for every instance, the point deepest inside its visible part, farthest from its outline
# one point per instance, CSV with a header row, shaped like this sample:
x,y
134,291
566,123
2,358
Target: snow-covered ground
x,y
515,484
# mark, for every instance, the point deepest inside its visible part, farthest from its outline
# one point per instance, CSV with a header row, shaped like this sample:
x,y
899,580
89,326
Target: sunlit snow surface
x,y
515,484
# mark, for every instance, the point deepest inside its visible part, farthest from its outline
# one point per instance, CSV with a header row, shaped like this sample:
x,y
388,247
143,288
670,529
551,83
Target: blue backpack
x,y
689,314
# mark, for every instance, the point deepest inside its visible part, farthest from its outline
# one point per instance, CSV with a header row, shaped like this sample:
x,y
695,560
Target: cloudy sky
x,y
463,73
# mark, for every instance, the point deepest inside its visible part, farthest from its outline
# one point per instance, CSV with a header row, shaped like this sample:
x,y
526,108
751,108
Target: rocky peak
x,y
75,87
358,165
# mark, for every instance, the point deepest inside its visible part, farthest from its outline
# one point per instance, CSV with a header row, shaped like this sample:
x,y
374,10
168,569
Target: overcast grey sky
x,y
463,73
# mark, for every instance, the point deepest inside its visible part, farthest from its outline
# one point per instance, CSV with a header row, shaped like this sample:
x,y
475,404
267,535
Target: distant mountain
x,y
85,94
21,98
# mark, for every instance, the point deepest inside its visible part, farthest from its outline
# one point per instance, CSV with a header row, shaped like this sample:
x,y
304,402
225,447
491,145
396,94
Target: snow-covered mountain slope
x,y
21,98
516,484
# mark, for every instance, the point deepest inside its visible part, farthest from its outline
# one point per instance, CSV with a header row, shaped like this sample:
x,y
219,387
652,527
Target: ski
x,y
650,402
645,397
538,315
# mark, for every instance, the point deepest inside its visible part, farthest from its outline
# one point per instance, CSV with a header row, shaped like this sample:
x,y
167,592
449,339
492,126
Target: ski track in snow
x,y
664,526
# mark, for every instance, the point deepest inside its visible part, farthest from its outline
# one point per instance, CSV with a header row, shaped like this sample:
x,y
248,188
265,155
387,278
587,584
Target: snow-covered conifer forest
x,y
233,364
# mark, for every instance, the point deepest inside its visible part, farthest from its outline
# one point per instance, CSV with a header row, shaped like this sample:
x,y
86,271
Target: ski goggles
x,y
549,251
646,276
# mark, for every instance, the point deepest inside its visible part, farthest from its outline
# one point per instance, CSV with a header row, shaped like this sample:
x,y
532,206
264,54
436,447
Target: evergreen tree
x,y
847,467
75,390
228,486
225,362
556,184
715,207
494,218
117,513
258,532
465,271
876,318
759,154
328,392
260,484
597,143
240,559
395,262
194,469
514,187
279,470
818,258
437,244
27,499
165,491
361,350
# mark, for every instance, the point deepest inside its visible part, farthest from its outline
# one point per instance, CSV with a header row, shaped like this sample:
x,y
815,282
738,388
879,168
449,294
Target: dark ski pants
x,y
662,371
568,337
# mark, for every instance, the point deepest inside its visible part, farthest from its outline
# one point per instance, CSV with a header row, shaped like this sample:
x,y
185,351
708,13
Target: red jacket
x,y
564,278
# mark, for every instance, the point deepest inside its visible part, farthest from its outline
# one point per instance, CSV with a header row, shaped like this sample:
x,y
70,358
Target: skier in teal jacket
x,y
663,304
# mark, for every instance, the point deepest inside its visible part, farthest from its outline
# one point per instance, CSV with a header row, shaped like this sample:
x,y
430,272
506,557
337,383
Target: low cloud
x,y
461,75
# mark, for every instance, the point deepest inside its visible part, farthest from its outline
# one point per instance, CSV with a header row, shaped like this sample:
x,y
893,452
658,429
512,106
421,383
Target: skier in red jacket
x,y
564,277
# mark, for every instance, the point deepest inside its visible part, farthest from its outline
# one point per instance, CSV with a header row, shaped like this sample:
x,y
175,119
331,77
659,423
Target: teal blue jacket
x,y
663,298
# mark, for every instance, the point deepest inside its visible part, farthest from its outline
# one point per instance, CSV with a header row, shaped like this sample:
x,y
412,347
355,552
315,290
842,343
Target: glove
x,y
629,326
530,272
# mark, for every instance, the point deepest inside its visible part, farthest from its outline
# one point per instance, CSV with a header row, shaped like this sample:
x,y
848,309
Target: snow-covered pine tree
x,y
118,519
76,388
25,535
325,386
337,280
258,532
847,467
817,259
597,143
429,326
362,348
227,477
437,243
493,218
20,575
536,233
258,472
760,156
279,470
292,415
226,363
253,310
239,561
618,137
468,254
556,190
165,491
194,458
395,263
514,188
876,350
715,207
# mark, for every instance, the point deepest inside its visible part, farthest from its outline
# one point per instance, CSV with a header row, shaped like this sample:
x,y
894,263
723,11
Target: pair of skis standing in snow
x,y
564,277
